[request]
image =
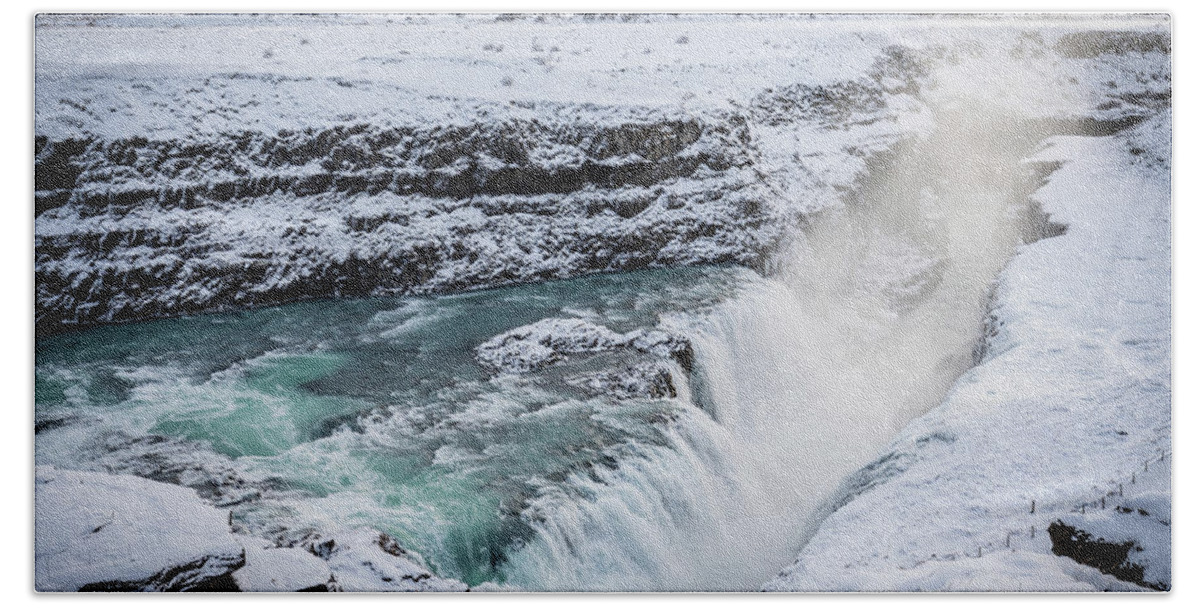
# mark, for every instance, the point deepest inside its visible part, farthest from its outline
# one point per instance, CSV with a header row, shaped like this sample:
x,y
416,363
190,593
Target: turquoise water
x,y
374,412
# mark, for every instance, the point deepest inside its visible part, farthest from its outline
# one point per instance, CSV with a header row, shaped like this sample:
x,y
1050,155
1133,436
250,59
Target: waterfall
x,y
803,378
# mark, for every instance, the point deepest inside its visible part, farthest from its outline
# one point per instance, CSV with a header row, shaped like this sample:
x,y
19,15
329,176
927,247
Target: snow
x,y
279,570
311,158
544,343
1071,400
356,64
597,159
367,561
128,532
550,341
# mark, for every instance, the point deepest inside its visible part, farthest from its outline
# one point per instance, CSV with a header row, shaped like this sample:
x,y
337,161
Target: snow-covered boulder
x,y
544,343
284,569
550,341
367,560
100,532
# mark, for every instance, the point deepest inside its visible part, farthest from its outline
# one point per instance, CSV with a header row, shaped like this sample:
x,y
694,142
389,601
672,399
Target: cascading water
x,y
873,314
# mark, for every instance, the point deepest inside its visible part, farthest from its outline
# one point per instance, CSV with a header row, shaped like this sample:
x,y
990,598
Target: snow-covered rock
x,y
1125,534
102,532
549,341
370,561
280,570
544,343
171,460
1129,542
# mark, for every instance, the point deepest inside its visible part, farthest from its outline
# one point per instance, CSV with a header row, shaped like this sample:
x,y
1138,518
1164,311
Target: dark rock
x,y
1108,557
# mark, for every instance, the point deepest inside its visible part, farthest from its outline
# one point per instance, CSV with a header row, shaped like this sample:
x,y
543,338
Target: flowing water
x,y
374,412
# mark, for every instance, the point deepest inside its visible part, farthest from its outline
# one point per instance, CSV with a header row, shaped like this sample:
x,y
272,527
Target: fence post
x,y
1032,506
1102,502
1120,489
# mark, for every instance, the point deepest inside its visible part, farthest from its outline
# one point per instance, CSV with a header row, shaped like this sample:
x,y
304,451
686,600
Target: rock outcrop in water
x,y
654,380
370,561
551,341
